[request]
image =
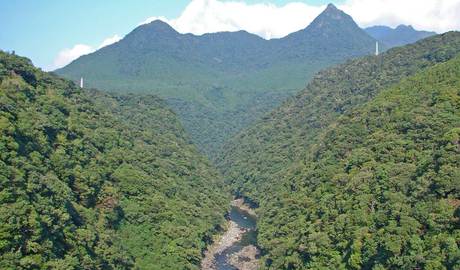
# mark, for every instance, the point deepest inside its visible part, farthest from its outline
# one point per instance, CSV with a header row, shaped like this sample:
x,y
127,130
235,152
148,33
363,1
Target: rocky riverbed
x,y
236,248
246,259
228,239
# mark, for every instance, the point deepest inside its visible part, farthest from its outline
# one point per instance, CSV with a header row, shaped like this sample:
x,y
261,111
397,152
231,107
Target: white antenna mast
x,y
376,48
81,82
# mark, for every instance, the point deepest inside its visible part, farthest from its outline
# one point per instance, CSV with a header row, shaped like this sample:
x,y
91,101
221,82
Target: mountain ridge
x,y
218,75
398,36
320,162
383,177
282,139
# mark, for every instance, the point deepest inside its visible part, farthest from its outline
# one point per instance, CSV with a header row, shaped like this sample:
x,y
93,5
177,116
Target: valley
x,y
237,247
228,151
220,83
349,161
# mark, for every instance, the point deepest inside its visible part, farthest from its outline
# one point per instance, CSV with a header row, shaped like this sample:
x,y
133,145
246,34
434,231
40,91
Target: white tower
x,y
376,48
81,82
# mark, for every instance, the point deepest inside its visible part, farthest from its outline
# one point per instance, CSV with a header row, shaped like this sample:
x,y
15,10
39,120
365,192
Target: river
x,y
236,249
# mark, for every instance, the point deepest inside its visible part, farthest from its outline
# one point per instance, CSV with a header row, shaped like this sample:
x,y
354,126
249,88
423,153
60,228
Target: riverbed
x,y
237,247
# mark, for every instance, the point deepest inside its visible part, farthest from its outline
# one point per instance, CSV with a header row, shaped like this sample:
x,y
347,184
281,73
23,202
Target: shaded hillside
x,y
91,181
380,189
254,160
229,78
332,34
399,36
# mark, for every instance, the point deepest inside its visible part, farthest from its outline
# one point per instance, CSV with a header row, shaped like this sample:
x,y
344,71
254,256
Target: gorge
x,y
226,151
237,247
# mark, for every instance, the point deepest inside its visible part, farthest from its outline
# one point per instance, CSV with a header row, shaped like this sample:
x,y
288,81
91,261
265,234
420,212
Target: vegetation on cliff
x,y
92,181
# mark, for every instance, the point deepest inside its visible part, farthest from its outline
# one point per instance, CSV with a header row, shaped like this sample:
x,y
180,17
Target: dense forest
x,y
381,190
220,83
253,158
187,134
94,181
361,169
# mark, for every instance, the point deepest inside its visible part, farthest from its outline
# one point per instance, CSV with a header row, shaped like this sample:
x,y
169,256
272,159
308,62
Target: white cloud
x,y
67,55
109,41
265,20
272,21
154,18
434,15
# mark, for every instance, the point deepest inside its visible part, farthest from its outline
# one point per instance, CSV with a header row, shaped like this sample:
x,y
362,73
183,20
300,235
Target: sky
x,y
52,33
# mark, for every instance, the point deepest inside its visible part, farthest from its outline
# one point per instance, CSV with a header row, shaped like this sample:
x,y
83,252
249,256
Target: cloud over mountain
x,y
272,21
266,20
432,15
67,55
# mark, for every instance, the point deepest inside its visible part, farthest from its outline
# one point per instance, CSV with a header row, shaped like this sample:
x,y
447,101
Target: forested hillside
x,y
380,190
253,159
91,181
360,170
221,82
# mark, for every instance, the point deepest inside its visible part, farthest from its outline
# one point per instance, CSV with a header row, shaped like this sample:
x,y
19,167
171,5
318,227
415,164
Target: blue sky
x,y
39,29
42,29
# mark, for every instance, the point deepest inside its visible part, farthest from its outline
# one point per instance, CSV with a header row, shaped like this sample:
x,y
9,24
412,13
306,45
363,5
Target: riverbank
x,y
233,234
244,207
246,259
233,250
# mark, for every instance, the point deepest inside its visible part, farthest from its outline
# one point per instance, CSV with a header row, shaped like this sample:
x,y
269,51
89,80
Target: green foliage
x,y
385,199
360,170
253,158
92,181
220,83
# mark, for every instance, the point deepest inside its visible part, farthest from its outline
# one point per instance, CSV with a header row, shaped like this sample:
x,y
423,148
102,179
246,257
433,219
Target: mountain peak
x,y
330,18
160,25
331,13
152,30
332,10
405,27
331,7
146,34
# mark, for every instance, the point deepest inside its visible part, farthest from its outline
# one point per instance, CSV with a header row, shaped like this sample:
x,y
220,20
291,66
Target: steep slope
x,y
380,190
254,160
399,36
332,34
91,181
219,83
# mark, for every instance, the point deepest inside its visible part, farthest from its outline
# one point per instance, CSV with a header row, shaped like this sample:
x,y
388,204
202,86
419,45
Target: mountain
x,y
252,160
94,181
221,82
381,190
359,170
399,36
335,31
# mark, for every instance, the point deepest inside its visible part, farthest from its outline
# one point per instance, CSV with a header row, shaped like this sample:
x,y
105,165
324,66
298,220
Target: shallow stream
x,y
246,221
